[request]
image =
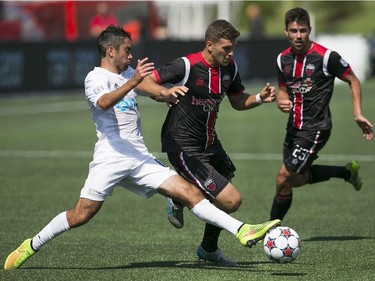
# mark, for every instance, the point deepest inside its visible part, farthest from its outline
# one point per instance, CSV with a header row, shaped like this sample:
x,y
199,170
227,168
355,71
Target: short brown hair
x,y
221,29
297,14
111,36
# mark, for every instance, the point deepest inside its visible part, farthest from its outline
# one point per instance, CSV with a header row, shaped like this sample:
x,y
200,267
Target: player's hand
x,y
366,127
284,105
143,69
172,95
268,93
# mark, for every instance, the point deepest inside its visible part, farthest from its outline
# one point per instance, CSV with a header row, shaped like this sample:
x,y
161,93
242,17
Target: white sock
x,y
56,226
212,215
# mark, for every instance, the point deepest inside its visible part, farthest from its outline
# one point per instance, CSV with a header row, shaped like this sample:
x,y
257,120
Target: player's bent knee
x,y
282,179
181,190
232,208
228,204
236,205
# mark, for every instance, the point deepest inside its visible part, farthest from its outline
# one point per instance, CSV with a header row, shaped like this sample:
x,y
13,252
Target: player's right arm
x,y
282,99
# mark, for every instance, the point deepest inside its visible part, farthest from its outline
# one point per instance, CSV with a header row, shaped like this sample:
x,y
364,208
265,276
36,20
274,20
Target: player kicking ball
x,y
189,135
121,157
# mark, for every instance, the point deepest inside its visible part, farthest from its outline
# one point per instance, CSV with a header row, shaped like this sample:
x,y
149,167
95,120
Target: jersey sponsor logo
x,y
344,62
301,87
310,68
128,104
208,105
210,185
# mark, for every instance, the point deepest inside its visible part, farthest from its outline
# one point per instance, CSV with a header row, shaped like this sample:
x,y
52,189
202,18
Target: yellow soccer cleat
x,y
20,255
355,179
250,234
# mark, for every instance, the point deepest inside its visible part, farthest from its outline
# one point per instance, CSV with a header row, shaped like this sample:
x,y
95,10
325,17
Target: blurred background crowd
x,y
345,26
161,19
74,20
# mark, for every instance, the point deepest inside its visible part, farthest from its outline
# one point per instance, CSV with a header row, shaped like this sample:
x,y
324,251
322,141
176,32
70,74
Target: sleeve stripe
x,y
325,63
157,76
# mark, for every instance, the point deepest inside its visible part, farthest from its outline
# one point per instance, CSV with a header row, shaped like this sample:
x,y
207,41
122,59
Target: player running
x,y
306,74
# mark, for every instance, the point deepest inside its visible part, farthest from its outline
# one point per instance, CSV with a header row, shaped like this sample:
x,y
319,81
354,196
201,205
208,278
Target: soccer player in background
x,y
188,134
121,157
306,74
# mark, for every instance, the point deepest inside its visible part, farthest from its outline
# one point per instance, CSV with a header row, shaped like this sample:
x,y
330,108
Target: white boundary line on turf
x,y
44,108
233,156
53,107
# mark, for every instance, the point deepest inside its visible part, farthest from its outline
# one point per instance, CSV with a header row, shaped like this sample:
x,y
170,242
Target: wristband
x,y
258,99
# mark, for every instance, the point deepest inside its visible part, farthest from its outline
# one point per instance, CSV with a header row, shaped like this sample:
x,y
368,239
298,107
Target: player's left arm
x,y
246,101
143,69
356,94
153,87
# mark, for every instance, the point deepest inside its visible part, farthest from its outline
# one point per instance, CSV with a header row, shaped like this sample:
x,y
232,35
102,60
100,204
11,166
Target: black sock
x,y
321,173
280,206
210,238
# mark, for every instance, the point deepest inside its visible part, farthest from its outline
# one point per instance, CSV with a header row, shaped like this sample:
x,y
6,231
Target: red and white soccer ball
x,y
282,244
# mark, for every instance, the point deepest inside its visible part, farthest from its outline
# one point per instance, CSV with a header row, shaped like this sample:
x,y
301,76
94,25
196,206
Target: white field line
x,y
44,108
82,105
233,156
54,107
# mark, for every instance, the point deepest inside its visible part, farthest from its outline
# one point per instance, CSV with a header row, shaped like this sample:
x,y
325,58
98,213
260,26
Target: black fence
x,y
43,67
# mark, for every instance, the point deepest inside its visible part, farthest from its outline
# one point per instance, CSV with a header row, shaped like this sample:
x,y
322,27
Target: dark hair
x,y
297,14
112,36
221,29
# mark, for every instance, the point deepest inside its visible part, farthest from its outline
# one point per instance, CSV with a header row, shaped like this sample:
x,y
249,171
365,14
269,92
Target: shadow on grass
x,y
336,238
288,274
242,266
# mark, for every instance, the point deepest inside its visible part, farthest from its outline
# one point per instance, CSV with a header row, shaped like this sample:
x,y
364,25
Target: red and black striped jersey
x,y
190,125
309,79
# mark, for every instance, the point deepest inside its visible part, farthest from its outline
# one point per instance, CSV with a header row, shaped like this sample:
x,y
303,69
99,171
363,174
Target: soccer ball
x,y
282,244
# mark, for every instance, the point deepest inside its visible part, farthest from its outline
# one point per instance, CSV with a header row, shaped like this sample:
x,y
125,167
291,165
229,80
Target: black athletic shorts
x,y
210,170
301,148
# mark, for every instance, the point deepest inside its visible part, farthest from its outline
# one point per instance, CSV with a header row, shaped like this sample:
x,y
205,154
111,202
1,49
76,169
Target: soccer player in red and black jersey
x,y
188,133
306,74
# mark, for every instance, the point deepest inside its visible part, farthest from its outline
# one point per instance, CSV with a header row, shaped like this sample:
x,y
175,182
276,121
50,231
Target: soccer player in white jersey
x,y
121,157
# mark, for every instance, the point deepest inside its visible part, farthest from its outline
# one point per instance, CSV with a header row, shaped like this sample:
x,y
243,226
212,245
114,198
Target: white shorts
x,y
141,173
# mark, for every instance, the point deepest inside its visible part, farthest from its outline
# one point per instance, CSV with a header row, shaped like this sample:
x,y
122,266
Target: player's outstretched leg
x,y
355,179
250,234
20,255
217,257
175,213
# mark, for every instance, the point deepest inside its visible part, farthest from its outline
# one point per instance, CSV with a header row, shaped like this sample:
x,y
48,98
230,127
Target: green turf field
x,y
46,144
